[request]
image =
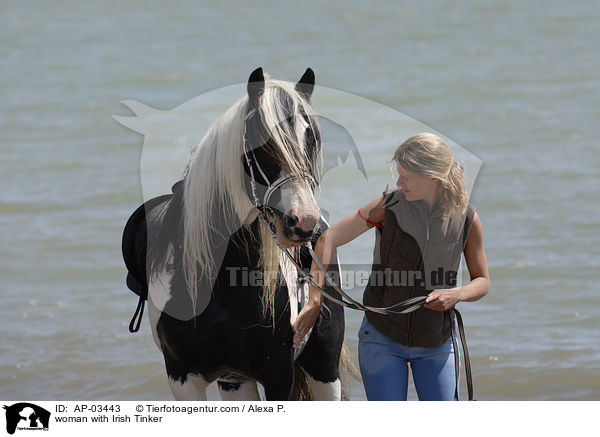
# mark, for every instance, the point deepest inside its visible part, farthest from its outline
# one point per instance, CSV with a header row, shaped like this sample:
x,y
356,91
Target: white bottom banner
x,y
300,418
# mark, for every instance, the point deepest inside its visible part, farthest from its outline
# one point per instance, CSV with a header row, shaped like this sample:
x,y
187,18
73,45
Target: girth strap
x,y
139,313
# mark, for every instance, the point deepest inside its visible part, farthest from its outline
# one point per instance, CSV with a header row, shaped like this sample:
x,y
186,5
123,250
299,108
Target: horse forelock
x,y
285,115
214,190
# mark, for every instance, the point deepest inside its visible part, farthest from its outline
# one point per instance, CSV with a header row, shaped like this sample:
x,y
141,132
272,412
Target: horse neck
x,y
244,246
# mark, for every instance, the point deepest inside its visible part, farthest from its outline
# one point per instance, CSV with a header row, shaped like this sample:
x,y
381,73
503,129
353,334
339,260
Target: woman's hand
x,y
305,320
442,299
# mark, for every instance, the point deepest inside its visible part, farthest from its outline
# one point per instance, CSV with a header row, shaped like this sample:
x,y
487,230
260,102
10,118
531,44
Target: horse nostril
x,y
299,228
304,234
290,220
308,223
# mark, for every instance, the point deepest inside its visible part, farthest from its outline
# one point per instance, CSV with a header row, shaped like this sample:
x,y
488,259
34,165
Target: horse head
x,y
262,158
282,155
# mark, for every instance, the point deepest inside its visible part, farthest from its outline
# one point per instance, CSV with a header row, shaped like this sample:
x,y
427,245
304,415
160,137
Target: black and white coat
x,y
230,338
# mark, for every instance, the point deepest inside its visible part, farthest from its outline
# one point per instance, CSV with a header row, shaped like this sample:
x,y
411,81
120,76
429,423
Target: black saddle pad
x,y
134,255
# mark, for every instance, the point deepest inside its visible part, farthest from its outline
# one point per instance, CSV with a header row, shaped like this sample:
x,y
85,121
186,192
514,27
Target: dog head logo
x,y
27,417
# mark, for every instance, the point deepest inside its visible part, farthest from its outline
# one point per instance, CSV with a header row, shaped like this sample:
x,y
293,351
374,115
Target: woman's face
x,y
416,187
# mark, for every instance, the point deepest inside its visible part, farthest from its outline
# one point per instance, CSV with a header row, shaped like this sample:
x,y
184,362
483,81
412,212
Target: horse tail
x,y
301,390
348,371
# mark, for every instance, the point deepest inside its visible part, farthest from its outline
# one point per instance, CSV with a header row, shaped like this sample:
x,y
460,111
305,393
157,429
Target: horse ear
x,y
256,86
306,84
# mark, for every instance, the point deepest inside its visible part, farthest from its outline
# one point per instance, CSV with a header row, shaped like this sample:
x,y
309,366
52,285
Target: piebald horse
x,y
222,295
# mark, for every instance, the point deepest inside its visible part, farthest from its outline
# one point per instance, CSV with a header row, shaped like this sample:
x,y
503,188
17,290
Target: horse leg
x,y
238,391
192,389
325,391
278,385
320,358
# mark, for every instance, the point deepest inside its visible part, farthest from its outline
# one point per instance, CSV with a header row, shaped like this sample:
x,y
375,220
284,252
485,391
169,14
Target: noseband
x,y
265,211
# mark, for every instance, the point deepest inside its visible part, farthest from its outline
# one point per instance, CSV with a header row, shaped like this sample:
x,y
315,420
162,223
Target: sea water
x,y
514,83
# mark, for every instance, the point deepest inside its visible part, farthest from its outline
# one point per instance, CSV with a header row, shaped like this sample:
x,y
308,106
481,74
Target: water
x,y
515,83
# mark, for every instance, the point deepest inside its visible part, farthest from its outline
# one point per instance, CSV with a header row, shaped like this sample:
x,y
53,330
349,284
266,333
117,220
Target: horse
x,y
222,294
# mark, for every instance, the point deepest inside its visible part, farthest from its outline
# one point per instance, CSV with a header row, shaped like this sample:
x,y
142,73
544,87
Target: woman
x,y
423,226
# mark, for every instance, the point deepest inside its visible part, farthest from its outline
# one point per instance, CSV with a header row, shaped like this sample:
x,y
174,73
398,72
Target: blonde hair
x,y
429,156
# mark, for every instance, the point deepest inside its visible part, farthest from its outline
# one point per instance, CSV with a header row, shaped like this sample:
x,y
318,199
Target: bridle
x,y
266,212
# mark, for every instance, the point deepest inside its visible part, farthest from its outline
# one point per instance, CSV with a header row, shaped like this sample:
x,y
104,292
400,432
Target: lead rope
x,y
463,340
412,303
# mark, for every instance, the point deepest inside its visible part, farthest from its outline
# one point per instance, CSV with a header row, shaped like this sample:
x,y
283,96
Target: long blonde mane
x,y
214,185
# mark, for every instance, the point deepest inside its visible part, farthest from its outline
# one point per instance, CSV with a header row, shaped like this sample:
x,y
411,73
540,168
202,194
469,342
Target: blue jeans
x,y
384,368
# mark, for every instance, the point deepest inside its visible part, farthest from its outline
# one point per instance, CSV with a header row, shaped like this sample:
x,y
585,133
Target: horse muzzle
x,y
299,229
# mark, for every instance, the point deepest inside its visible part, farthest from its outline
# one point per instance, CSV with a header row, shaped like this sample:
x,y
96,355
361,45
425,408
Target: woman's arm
x,y
339,234
344,231
476,263
442,300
